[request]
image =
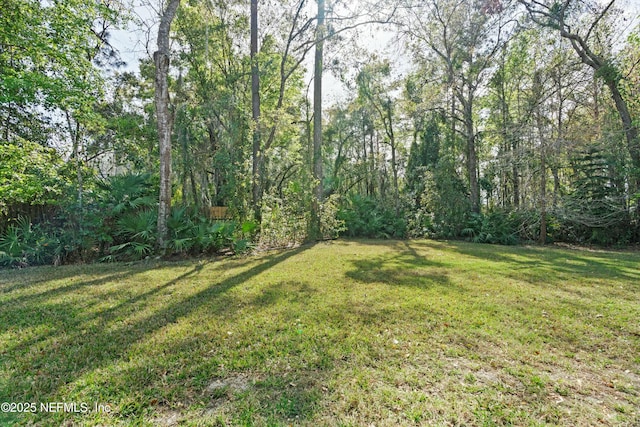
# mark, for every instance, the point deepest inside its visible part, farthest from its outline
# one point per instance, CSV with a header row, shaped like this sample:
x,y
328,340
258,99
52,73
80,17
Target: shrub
x,y
330,225
366,217
495,227
25,244
286,218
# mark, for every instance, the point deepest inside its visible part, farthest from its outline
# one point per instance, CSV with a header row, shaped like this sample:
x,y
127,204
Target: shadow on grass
x,y
72,315
401,267
538,265
158,348
75,343
576,298
73,285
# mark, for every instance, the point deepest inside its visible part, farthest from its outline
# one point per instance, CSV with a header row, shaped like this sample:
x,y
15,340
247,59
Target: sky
x,y
139,41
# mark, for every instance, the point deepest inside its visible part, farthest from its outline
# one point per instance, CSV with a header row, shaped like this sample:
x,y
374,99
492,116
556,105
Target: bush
x,y
30,174
285,220
282,224
25,244
192,233
366,217
118,222
495,227
330,225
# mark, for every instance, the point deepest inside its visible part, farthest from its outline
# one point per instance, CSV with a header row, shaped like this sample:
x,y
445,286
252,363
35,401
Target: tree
x,y
31,176
464,38
161,59
374,92
255,111
46,54
317,121
557,16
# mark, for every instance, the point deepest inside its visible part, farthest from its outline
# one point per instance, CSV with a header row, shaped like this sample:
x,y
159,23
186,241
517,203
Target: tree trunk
x,y
372,167
394,166
185,167
365,158
256,179
630,132
543,190
472,158
161,59
515,172
317,122
76,152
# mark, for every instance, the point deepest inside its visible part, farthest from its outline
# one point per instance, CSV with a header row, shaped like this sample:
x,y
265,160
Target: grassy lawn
x,y
342,333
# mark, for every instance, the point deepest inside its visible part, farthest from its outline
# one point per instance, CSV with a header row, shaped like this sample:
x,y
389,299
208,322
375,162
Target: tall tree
x,y
376,93
463,37
317,120
161,59
255,112
558,16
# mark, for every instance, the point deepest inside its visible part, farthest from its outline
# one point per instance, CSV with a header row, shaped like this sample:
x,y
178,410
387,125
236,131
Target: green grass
x,y
346,333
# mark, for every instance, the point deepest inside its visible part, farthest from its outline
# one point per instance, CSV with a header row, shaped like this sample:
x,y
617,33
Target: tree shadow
x,y
570,294
75,343
73,315
537,265
259,370
403,267
253,341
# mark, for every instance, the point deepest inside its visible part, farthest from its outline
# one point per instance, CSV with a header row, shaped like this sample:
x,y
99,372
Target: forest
x,y
498,121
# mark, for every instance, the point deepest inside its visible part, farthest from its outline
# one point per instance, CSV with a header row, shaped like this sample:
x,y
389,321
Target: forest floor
x,y
350,332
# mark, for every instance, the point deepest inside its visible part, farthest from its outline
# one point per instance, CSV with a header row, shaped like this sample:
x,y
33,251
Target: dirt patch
x,y
233,383
166,419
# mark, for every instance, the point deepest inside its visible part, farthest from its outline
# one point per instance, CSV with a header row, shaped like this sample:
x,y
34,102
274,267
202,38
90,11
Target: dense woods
x,y
502,122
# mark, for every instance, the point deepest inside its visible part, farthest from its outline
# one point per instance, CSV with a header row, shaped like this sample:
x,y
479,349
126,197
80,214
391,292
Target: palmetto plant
x,y
125,193
196,234
24,244
126,215
13,244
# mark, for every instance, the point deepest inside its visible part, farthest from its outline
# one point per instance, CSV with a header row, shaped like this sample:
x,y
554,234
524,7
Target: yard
x,y
351,333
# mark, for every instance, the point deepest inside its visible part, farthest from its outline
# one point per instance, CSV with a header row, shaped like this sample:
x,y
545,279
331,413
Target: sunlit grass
x,y
343,333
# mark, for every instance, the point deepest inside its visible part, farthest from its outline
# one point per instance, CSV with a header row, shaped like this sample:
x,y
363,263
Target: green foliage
x,y
24,244
30,174
46,54
137,230
118,216
367,217
119,223
495,227
286,219
423,157
596,209
444,204
120,194
192,233
330,225
610,73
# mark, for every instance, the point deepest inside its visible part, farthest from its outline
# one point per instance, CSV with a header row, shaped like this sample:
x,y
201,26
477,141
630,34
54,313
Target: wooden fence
x,y
219,212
